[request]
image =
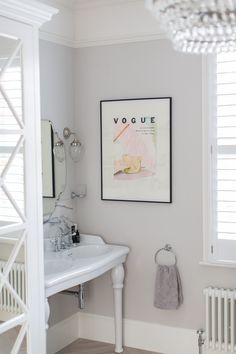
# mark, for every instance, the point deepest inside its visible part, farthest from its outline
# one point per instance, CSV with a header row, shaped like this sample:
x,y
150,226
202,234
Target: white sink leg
x,y
47,312
117,275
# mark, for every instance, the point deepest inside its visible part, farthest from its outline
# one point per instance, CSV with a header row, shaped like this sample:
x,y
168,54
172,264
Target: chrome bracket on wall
x,y
79,294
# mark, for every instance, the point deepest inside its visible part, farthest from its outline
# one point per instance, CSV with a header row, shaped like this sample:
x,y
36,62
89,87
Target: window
x,y
220,163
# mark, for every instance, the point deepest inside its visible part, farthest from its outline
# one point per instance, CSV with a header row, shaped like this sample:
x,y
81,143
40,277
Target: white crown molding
x,y
112,40
27,11
66,4
96,42
79,22
114,22
81,4
58,39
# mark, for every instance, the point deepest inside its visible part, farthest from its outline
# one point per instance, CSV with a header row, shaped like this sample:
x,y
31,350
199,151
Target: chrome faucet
x,y
56,243
63,245
62,242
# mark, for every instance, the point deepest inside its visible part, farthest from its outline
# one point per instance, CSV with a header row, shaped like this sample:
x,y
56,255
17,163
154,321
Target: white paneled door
x,y
22,318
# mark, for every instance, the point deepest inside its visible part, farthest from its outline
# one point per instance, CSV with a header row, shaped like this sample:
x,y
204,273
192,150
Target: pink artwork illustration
x,y
134,148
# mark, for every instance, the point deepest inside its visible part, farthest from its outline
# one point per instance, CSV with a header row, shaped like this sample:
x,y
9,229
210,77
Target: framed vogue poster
x,y
136,150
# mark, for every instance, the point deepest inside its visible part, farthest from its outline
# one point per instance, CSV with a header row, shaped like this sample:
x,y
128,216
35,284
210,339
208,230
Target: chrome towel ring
x,y
167,248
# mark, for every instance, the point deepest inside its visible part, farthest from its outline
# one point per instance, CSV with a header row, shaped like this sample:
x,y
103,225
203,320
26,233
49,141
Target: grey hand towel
x,y
168,290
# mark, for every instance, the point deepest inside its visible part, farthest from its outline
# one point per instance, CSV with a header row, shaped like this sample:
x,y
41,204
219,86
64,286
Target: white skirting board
x,y
141,335
63,334
137,334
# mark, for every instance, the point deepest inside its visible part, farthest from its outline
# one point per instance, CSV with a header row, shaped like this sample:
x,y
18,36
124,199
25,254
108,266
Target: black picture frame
x,y
107,114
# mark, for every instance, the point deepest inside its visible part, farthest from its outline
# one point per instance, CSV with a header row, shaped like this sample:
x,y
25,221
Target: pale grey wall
x,y
126,71
147,69
57,68
57,65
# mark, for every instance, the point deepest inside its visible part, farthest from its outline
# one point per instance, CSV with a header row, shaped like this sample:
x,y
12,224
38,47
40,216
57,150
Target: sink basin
x,y
90,251
91,258
63,261
52,266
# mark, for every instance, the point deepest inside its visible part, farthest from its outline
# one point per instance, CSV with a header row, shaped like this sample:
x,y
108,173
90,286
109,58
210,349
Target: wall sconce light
x,y
59,149
75,148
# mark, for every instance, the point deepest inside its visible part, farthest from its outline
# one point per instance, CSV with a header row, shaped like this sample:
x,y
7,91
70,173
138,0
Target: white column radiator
x,y
17,281
220,320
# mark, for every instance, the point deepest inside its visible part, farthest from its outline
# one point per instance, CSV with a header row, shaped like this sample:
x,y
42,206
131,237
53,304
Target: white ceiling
x,y
82,23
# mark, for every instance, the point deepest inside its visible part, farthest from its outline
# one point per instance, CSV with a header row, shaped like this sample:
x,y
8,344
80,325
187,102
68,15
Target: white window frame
x,y
211,245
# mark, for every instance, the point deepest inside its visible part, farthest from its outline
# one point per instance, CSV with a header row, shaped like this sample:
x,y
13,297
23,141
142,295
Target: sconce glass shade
x,y
59,151
76,150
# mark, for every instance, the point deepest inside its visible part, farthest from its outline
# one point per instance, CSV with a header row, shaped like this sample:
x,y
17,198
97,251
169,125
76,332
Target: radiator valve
x,y
201,339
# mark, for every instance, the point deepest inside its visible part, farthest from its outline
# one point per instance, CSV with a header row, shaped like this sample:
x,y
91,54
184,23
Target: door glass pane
x,y
8,339
11,82
11,142
12,208
11,298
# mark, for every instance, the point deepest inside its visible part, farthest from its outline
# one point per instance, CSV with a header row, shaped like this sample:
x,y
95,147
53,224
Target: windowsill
x,y
8,239
221,264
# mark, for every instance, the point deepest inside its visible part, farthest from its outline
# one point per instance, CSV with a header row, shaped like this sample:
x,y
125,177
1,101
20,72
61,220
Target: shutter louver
x,y
226,146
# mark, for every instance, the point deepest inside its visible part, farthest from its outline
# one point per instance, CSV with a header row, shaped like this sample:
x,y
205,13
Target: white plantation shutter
x,y
223,143
15,177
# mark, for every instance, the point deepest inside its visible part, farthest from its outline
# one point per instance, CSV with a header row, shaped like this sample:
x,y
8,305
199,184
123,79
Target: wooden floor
x,y
83,346
7,341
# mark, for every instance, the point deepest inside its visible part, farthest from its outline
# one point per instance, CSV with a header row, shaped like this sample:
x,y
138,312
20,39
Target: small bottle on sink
x,y
75,234
77,237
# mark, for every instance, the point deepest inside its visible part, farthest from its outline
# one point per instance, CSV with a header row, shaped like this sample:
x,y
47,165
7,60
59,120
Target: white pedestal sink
x,y
77,265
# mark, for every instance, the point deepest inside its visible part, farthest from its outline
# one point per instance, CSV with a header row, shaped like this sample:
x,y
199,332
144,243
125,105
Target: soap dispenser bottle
x,y
73,234
77,237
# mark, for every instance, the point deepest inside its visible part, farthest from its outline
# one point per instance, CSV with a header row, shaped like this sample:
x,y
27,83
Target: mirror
x,y
53,171
48,174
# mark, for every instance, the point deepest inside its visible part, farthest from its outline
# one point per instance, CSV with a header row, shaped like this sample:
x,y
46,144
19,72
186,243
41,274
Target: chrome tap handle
x,y
63,245
56,243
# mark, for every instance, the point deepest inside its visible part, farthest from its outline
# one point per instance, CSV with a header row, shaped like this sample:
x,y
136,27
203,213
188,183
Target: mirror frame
x,y
48,167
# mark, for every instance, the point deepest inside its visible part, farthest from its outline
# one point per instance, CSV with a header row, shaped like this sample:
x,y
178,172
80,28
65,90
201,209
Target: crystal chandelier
x,y
198,26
